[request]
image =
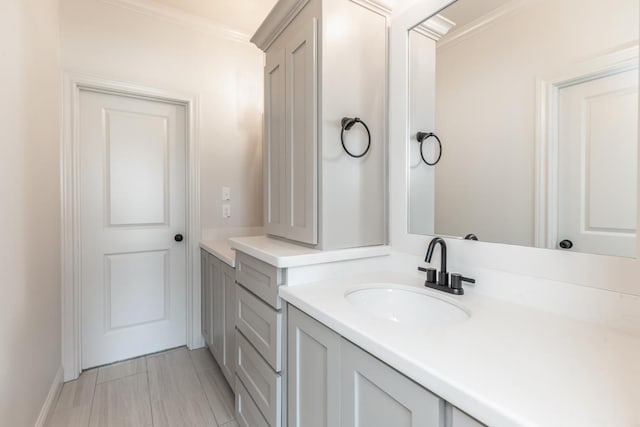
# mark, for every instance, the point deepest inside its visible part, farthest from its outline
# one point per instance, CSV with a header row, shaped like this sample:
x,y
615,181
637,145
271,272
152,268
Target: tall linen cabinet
x,y
325,60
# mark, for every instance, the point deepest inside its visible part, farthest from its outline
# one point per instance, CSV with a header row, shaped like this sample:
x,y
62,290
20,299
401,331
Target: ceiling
x,y
240,15
245,16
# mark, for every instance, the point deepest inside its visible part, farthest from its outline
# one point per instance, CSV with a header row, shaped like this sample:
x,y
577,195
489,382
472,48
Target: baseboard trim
x,y
52,397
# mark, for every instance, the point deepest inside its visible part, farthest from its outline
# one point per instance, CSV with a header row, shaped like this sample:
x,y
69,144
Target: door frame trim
x,y
546,131
71,293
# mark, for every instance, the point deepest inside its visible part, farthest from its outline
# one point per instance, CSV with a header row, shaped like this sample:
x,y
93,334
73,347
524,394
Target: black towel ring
x,y
347,124
422,137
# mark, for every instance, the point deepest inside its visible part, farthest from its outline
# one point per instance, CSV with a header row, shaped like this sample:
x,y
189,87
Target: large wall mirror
x,y
524,130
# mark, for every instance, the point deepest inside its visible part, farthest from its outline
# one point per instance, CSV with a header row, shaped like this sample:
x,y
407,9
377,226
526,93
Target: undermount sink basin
x,y
406,305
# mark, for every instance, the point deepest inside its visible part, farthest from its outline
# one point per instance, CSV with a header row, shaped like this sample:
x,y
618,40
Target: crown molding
x,y
435,27
176,16
286,10
483,22
276,21
376,6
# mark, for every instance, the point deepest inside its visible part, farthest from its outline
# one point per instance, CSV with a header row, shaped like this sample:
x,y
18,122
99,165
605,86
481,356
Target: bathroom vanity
x,y
342,338
504,365
263,267
550,334
334,382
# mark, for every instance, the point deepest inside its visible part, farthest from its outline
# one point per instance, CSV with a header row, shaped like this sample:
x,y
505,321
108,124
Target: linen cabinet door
x,y
313,372
273,158
302,134
376,395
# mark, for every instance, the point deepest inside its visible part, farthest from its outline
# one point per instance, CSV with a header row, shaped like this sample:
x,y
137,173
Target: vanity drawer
x,y
260,278
261,325
262,383
248,414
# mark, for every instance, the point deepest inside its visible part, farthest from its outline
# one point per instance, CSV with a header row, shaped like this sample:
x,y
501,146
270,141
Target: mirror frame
x,y
616,274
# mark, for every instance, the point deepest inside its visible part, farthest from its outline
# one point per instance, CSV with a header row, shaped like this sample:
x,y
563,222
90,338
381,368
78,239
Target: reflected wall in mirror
x,y
536,105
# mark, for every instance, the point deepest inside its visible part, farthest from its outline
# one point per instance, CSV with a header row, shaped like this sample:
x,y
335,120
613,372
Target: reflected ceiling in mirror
x,y
537,115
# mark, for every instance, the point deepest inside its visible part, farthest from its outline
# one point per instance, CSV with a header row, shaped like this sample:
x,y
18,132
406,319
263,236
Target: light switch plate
x,y
226,210
226,193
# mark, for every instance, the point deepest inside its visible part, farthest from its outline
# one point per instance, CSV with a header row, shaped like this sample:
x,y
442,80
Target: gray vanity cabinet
x,y
376,395
218,312
259,343
313,372
334,383
315,193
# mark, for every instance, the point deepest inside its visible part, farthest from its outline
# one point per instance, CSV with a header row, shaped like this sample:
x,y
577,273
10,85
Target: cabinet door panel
x,y
313,372
229,286
376,395
274,143
302,135
205,322
216,328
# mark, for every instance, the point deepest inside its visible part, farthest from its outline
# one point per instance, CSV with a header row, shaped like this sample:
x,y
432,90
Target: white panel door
x,y
132,204
598,143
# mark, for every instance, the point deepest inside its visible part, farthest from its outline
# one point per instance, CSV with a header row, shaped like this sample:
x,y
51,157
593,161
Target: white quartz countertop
x,y
283,254
221,250
507,365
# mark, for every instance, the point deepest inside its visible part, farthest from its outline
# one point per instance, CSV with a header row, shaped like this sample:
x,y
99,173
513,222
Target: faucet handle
x,y
456,282
431,274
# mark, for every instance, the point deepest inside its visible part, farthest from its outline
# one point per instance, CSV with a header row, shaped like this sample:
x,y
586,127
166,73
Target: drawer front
x,y
260,278
263,385
248,414
261,325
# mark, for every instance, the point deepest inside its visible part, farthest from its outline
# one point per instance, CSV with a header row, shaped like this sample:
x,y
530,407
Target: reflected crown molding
x,y
435,27
177,16
286,10
481,23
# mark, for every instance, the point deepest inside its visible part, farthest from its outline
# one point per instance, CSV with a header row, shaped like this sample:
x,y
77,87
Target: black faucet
x,y
443,277
442,284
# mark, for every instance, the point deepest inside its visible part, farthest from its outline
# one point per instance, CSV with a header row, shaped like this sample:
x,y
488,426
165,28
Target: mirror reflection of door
x,y
485,76
597,156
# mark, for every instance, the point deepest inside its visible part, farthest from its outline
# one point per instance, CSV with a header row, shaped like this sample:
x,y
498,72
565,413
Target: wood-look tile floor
x,y
176,388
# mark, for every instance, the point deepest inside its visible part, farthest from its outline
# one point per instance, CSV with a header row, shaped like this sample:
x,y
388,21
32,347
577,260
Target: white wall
x,y
106,40
29,208
486,108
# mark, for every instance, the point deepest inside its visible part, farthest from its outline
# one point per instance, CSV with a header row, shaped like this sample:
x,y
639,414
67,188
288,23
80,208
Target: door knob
x,y
178,238
566,244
